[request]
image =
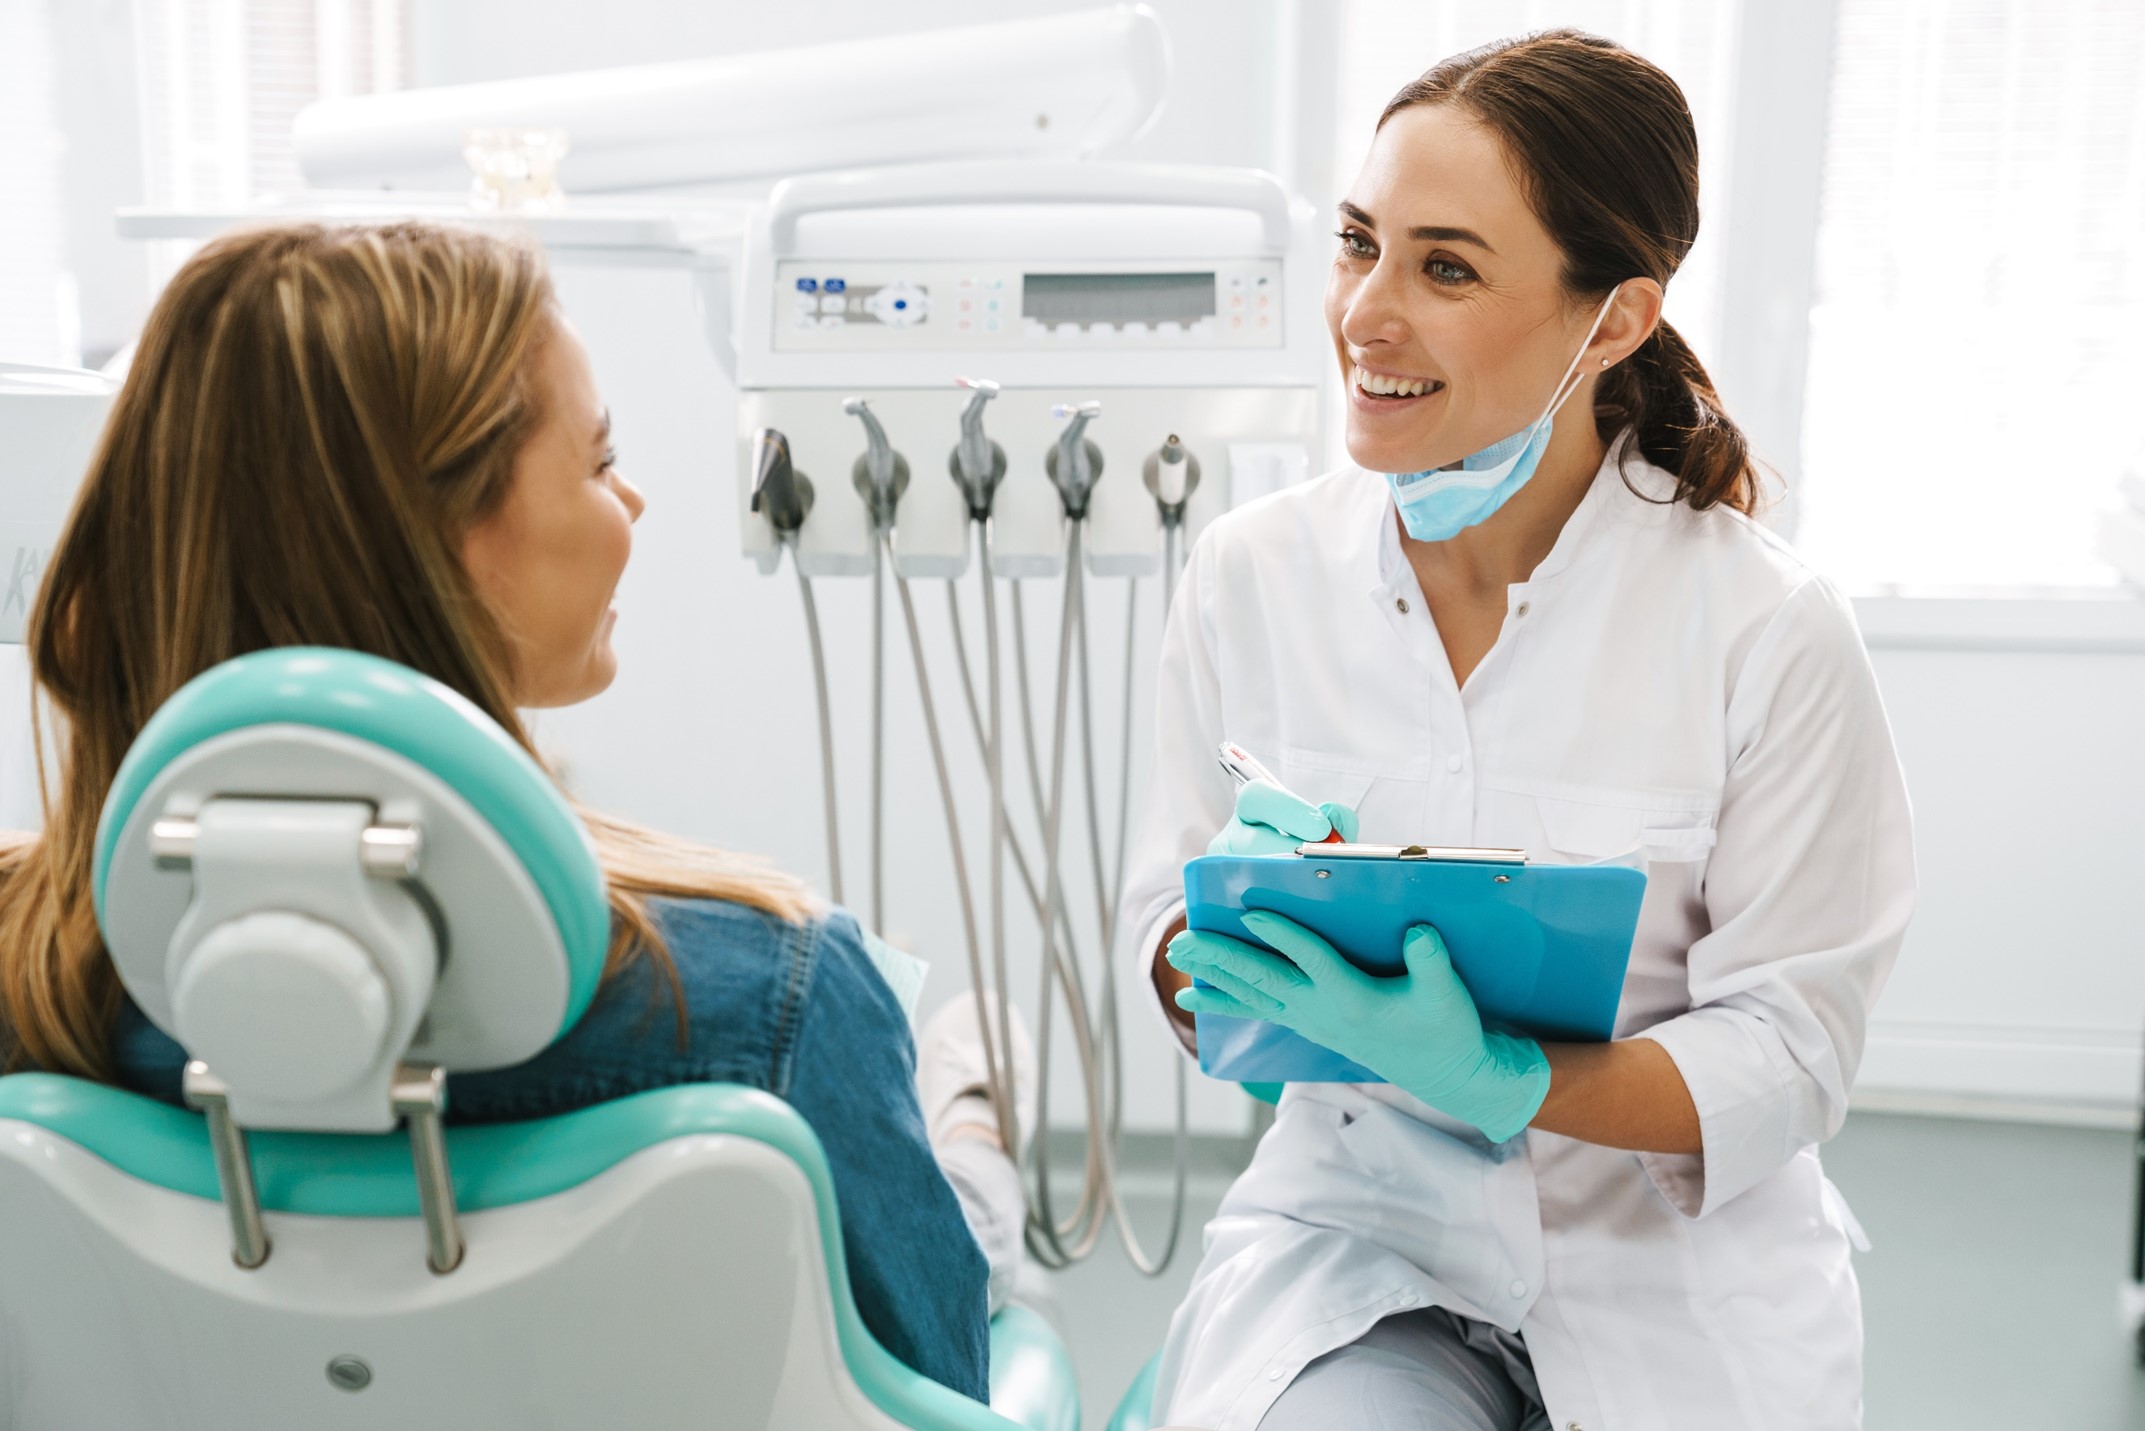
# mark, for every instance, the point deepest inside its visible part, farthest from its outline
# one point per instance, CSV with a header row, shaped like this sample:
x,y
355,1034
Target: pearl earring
x,y
1605,362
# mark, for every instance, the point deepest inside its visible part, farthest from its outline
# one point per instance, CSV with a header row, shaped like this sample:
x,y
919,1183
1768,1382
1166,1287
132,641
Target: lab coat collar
x,y
1389,565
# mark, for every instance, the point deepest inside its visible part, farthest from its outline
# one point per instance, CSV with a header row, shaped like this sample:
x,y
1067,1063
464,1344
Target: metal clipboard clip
x,y
1456,854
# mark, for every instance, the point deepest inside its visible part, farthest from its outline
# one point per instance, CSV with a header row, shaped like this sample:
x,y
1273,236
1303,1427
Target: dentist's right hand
x,y
1271,821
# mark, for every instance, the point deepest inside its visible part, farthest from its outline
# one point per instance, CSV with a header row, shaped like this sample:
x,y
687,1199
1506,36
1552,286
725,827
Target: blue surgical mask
x,y
1442,502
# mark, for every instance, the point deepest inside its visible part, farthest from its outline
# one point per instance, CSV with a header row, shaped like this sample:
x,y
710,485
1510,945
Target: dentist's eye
x,y
610,460
1447,273
1354,245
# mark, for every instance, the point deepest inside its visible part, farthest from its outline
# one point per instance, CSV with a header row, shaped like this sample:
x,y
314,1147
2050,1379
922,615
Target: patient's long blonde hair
x,y
313,419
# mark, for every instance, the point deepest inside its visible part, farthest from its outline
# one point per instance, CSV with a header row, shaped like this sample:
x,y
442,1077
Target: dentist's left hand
x,y
1419,1031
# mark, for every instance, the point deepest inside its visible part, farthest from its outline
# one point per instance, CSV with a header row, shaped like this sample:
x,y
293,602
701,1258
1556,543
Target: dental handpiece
x,y
1244,767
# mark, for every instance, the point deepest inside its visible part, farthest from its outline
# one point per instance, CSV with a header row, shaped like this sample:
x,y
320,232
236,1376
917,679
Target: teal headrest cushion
x,y
410,715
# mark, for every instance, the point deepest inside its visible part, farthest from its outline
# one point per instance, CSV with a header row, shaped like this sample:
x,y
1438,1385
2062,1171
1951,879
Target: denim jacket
x,y
801,1012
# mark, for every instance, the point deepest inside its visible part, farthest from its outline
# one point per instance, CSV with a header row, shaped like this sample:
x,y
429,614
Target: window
x,y
1978,341
222,80
39,322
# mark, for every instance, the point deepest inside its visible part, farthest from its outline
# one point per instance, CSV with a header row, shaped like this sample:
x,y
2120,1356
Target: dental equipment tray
x,y
1541,947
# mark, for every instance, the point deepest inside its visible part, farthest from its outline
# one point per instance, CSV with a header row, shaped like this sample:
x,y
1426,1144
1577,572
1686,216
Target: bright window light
x,y
223,79
39,319
1977,347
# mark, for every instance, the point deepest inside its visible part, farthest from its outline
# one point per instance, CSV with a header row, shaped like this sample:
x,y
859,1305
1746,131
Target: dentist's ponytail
x,y
1608,157
1664,395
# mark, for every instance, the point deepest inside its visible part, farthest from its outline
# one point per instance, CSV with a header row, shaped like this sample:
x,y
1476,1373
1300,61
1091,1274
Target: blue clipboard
x,y
1541,947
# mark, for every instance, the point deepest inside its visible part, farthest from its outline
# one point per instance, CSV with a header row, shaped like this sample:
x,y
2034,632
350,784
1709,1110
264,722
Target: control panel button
x,y
900,305
808,285
836,285
833,303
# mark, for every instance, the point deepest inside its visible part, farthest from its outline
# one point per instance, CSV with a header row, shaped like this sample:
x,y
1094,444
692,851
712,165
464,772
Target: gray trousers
x,y
987,1185
1418,1371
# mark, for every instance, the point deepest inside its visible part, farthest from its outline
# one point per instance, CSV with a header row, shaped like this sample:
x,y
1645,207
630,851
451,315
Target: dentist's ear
x,y
1634,312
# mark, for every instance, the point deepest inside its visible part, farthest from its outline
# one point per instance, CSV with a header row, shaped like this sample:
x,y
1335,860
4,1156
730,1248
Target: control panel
x,y
825,306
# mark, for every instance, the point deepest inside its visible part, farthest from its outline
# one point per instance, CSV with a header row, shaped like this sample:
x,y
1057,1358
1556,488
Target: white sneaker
x,y
953,1079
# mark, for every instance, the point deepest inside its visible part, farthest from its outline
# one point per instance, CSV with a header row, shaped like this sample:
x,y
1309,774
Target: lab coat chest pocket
x,y
1389,808
1628,827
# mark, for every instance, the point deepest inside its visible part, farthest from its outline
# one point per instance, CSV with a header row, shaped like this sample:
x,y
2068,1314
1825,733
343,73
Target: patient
x,y
387,439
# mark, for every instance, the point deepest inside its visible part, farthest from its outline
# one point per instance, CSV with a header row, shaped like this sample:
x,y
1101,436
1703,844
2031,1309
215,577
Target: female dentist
x,y
1553,624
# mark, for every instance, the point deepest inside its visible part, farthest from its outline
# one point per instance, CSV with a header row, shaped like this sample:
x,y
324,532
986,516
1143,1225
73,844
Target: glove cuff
x,y
1522,1078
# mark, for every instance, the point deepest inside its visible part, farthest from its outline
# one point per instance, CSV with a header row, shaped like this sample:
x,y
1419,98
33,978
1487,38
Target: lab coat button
x,y
1400,604
1454,763
1519,1289
1524,608
1274,1375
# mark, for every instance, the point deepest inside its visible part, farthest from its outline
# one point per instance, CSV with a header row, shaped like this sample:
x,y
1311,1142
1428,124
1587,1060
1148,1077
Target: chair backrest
x,y
670,1260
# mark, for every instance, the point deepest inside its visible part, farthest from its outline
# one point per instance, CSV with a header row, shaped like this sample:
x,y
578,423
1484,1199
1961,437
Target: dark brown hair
x,y
1608,158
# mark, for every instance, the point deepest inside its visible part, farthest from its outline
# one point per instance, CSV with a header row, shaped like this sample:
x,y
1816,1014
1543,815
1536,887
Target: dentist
x,y
1537,613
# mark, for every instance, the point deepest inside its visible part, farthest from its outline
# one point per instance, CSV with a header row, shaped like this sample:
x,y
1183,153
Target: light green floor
x,y
1989,1293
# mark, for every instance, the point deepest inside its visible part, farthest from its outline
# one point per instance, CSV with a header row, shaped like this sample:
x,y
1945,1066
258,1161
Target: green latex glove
x,y
1419,1031
1271,821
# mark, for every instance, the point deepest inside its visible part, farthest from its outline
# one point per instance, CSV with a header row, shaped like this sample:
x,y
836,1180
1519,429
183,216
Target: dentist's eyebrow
x,y
1426,233
1435,234
603,428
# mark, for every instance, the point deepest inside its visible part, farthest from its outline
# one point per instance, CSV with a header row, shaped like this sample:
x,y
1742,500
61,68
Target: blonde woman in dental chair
x,y
387,439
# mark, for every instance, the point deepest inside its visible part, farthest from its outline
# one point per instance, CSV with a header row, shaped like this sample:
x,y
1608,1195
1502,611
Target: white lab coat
x,y
1669,682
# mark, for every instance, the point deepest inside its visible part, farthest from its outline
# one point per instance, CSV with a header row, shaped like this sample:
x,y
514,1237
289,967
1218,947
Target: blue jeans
x,y
801,1012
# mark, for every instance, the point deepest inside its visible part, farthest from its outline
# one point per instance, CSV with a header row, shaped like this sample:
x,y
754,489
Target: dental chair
x,y
337,884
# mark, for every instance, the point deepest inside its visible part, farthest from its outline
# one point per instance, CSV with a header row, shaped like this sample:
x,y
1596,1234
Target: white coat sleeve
x,y
1808,893
1189,797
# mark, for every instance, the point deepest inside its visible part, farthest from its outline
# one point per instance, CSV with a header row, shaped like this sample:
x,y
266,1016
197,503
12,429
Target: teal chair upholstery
x,y
1133,1411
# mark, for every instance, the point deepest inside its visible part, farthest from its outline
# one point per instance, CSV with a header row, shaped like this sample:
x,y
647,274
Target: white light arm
x,y
1028,182
1059,85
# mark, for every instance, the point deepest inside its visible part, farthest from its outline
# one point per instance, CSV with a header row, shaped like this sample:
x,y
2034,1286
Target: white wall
x,y
2023,977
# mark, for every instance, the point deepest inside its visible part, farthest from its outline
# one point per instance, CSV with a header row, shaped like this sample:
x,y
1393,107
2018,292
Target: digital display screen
x,y
1088,298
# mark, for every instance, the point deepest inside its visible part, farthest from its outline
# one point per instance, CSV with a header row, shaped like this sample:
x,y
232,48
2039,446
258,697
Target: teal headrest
x,y
406,714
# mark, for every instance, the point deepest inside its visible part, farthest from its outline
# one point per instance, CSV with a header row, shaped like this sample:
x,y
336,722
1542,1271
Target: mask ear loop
x,y
1563,394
